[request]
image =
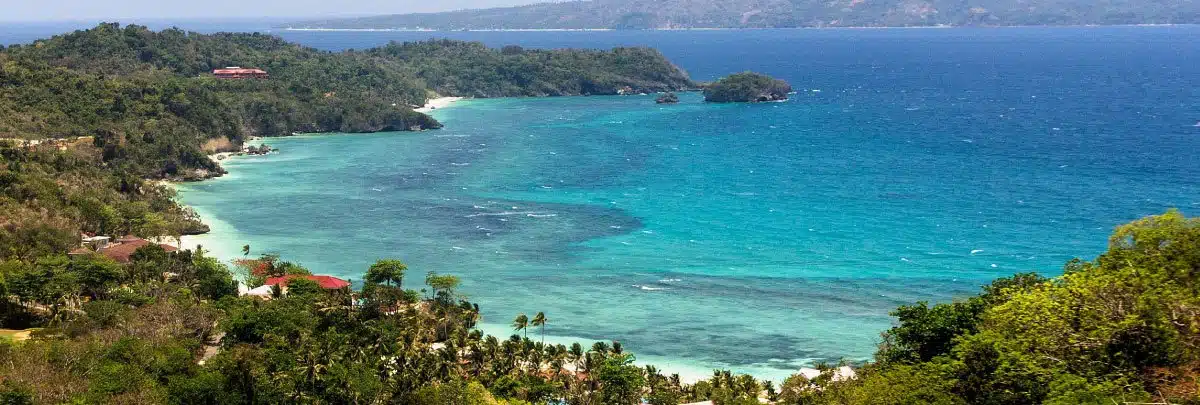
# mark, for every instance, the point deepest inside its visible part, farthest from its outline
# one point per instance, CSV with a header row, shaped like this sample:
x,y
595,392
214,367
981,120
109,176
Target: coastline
x,y
440,102
222,242
218,228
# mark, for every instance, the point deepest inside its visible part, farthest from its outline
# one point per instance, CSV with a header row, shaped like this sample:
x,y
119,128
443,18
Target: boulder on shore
x,y
746,87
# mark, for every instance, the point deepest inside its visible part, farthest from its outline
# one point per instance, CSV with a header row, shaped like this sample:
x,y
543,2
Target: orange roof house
x,y
326,282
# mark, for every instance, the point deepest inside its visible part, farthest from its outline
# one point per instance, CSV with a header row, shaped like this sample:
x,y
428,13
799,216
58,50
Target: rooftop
x,y
326,282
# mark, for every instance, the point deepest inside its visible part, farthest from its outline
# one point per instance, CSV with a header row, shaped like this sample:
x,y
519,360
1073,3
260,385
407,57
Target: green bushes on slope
x,y
1124,327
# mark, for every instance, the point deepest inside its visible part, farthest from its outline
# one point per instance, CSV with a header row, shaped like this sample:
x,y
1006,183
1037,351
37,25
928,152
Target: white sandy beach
x,y
440,102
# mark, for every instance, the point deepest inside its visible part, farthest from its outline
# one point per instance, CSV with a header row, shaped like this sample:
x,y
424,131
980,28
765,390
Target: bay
x,y
912,164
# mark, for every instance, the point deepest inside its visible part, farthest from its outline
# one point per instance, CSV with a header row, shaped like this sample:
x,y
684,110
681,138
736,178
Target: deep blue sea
x,y
912,164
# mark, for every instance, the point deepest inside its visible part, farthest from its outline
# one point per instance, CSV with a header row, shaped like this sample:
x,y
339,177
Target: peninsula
x,y
157,102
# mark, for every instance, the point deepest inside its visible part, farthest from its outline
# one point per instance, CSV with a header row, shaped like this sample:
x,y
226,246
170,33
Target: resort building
x,y
120,250
234,72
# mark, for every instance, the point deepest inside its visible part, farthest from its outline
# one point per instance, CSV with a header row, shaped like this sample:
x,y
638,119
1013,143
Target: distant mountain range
x,y
683,14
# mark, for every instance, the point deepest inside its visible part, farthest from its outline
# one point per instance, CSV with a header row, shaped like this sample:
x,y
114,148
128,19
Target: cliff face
x,y
666,14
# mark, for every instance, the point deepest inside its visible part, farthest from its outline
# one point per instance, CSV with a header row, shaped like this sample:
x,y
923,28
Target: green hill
x,y
151,104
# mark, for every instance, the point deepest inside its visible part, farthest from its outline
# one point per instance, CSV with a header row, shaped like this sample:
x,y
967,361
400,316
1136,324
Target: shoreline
x,y
690,372
440,102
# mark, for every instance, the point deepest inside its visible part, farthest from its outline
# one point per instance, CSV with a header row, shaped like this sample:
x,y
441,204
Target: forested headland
x,y
149,101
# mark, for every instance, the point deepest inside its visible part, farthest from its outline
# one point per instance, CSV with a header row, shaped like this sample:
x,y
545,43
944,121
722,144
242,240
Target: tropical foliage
x,y
168,328
48,196
1122,328
746,87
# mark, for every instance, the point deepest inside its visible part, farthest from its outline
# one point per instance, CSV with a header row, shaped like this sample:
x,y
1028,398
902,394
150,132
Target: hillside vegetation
x,y
669,14
167,328
114,105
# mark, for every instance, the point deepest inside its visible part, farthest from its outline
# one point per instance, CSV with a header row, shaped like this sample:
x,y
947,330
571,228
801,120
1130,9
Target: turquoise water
x,y
763,237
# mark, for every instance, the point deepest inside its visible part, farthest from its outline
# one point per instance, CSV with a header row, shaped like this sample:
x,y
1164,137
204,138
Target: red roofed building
x,y
235,72
326,282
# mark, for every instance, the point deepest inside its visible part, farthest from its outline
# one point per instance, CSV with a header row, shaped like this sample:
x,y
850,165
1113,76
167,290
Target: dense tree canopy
x,y
746,87
1123,327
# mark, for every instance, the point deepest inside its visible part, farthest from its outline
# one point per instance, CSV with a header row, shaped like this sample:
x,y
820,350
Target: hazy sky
x,y
64,10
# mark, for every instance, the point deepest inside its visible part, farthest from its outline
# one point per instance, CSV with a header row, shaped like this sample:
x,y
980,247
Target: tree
x,y
620,380
299,287
246,250
96,274
539,319
521,323
212,280
443,286
386,272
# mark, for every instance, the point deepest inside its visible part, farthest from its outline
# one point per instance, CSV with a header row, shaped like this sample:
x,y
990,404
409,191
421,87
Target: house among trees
x,y
325,282
120,250
235,72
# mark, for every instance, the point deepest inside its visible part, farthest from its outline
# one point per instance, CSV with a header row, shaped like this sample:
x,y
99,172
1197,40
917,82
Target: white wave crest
x,y
502,214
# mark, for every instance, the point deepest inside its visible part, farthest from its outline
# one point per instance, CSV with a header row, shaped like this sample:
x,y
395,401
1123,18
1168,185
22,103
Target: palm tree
x,y
521,323
576,352
540,320
246,250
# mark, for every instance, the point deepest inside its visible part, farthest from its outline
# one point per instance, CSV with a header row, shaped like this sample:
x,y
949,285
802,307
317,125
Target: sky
x,y
76,10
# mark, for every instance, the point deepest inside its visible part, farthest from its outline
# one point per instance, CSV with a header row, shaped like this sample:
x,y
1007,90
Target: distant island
x,y
746,87
708,14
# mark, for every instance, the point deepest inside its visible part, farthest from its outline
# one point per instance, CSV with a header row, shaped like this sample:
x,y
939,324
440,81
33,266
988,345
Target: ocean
x,y
911,164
